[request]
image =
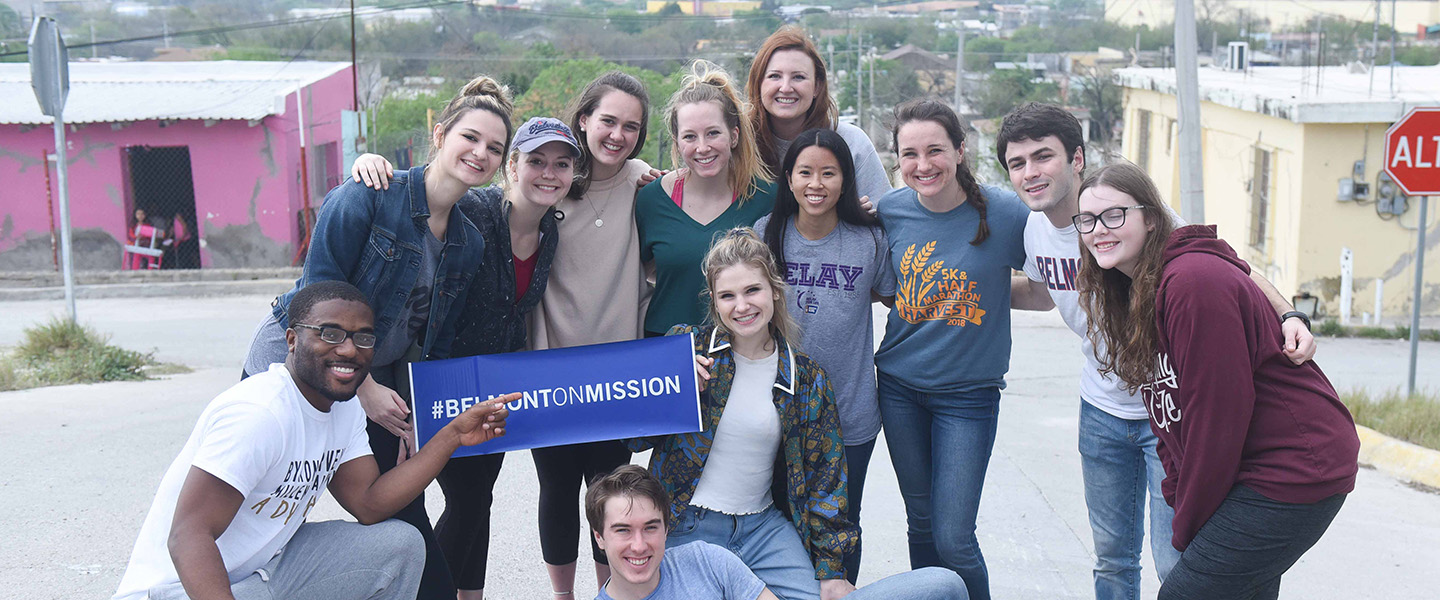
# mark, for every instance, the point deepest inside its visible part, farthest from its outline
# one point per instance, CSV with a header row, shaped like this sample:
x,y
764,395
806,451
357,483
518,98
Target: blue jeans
x,y
930,583
857,464
940,445
1121,469
765,541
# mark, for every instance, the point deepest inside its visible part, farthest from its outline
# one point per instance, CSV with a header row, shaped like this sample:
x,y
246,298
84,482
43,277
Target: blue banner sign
x,y
571,395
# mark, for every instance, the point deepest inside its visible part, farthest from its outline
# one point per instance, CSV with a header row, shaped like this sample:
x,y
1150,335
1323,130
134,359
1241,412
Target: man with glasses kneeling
x,y
229,518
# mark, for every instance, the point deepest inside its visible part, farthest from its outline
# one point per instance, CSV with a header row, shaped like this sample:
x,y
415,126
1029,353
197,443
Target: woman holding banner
x,y
595,294
413,256
769,417
724,184
518,222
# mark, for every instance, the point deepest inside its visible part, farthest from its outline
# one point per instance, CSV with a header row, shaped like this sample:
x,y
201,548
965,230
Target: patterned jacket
x,y
810,448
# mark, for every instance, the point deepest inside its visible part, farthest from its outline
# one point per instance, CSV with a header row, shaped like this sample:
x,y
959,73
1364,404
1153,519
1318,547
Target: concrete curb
x,y
261,287
1400,459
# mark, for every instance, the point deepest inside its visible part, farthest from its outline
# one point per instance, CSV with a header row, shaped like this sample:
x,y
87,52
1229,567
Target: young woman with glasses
x,y
1259,453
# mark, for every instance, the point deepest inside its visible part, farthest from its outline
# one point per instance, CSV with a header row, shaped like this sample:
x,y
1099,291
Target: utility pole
x,y
1392,48
859,84
872,80
959,60
354,64
1187,85
1374,47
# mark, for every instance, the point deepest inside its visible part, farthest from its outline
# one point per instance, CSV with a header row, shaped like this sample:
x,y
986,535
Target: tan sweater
x,y
597,290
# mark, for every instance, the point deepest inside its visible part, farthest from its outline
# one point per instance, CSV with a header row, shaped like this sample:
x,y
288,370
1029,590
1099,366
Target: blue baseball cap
x,y
539,131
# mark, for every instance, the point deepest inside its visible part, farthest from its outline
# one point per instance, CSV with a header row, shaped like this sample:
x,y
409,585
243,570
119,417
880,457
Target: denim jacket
x,y
491,321
373,239
811,450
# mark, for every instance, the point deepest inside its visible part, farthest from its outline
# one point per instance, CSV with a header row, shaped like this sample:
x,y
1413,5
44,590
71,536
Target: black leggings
x,y
464,527
561,469
435,582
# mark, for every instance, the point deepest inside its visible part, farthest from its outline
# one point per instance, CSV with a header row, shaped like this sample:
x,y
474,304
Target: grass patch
x,y
1415,419
60,352
1333,328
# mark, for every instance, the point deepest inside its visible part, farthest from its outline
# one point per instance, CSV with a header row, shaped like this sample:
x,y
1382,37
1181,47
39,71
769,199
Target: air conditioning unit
x,y
1238,57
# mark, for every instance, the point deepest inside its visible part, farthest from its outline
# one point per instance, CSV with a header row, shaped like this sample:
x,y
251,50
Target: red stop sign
x,y
1412,152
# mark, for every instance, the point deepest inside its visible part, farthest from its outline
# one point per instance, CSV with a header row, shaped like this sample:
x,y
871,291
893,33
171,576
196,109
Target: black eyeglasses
x,y
336,335
1113,218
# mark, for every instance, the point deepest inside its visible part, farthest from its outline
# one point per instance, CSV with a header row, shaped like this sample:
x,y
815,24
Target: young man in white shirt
x,y
228,520
625,510
1042,148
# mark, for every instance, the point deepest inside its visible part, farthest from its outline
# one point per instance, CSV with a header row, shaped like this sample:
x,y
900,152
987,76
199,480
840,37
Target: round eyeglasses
x,y
1113,218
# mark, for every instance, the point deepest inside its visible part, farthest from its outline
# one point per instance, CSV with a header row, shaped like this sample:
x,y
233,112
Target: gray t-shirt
x,y
870,176
829,281
702,571
268,344
410,324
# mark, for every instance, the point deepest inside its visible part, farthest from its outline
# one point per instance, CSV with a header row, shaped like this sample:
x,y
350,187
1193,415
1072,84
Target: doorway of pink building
x,y
160,194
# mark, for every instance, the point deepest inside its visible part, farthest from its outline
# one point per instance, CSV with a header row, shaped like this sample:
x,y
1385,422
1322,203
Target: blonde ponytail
x,y
481,93
708,82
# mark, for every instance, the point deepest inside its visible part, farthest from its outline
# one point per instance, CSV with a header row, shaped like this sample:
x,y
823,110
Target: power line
x,y
249,26
398,7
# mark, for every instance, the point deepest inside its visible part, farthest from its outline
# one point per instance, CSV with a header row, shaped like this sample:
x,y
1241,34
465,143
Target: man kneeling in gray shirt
x,y
625,513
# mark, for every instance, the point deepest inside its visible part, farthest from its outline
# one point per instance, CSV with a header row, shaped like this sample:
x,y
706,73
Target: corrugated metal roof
x,y
142,91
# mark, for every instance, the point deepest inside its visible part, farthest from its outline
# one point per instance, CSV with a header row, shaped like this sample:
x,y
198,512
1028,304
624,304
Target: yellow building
x,y
1279,13
715,8
1276,143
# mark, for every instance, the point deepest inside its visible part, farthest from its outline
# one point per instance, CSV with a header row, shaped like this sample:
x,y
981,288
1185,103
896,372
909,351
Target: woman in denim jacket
x,y
413,258
770,418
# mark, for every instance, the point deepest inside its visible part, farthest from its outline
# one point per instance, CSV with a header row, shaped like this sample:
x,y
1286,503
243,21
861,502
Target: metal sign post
x,y
50,77
1412,147
1419,284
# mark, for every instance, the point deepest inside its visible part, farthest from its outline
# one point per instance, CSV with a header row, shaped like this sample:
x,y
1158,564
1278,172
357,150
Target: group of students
x,y
768,243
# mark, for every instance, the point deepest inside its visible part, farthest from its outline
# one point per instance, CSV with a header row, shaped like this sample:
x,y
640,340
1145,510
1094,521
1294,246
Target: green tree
x,y
558,85
894,83
10,24
982,53
670,10
1009,88
1096,90
1413,55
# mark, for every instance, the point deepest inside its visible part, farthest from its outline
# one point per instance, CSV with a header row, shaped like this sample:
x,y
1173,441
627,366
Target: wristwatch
x,y
1304,318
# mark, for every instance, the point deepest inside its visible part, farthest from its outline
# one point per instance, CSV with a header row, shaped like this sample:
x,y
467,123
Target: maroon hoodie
x,y
1227,405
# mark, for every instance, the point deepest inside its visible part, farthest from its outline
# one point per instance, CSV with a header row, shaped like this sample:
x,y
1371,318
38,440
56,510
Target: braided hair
x,y
937,112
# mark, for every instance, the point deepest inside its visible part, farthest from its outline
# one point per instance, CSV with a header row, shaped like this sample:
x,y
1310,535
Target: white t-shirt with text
x,y
1052,257
264,439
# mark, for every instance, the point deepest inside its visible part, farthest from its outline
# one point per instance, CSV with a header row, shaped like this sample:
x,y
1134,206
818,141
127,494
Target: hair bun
x,y
485,86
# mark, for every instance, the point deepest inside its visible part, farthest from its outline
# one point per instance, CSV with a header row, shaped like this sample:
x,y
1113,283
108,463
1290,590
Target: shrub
x,y
62,352
1331,328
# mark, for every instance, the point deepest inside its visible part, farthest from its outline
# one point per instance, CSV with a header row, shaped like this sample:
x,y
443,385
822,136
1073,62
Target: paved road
x,y
82,463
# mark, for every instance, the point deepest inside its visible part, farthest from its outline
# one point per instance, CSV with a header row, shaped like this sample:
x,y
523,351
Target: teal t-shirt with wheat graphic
x,y
950,328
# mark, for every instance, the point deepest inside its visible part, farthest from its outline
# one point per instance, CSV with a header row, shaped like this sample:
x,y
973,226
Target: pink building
x,y
209,150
